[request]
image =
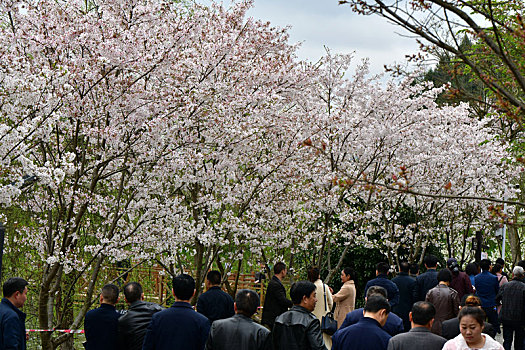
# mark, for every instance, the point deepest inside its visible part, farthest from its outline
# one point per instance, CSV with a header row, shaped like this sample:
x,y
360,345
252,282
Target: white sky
x,y
319,23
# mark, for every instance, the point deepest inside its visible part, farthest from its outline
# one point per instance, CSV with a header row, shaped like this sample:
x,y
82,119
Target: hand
x,y
331,289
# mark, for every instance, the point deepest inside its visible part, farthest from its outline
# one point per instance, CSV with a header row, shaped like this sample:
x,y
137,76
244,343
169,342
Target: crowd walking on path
x,y
437,310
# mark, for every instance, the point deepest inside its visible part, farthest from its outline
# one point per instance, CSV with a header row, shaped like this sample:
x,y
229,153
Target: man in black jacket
x,y
101,324
299,328
427,280
512,315
406,285
215,303
275,302
132,325
240,332
12,320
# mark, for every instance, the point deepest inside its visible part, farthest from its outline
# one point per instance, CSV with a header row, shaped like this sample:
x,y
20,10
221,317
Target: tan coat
x,y
345,300
320,310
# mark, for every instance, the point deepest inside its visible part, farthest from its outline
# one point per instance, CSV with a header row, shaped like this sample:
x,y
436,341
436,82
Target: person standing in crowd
x,y
460,280
444,299
275,302
487,287
101,324
345,298
179,324
428,280
368,333
419,336
497,270
502,263
393,325
382,280
450,328
133,324
240,332
215,303
324,300
472,270
512,314
12,319
299,328
406,285
471,337
414,270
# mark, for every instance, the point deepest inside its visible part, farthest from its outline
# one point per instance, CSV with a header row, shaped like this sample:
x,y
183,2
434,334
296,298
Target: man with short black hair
x,y
299,328
275,301
382,270
428,280
12,320
512,315
406,285
419,336
133,324
215,303
444,299
240,332
179,326
487,287
393,325
101,324
368,333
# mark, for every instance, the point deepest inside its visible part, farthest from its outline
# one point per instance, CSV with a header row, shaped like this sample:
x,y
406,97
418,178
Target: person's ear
x,y
235,306
142,296
194,291
101,298
431,323
410,316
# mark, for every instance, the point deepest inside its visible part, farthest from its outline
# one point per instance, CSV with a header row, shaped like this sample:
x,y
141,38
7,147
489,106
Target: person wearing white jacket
x,y
323,293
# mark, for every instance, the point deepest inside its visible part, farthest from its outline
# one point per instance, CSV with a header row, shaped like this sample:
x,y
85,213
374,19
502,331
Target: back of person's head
x,y
350,272
376,290
444,276
183,286
423,312
376,303
313,273
214,277
110,293
496,268
13,285
500,261
404,266
471,269
518,272
301,289
247,302
470,300
279,267
133,292
414,269
382,268
521,263
454,268
485,264
430,261
475,312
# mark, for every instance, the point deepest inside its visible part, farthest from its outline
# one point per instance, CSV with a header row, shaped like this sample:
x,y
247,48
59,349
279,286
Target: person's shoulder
x,y
491,344
394,317
7,313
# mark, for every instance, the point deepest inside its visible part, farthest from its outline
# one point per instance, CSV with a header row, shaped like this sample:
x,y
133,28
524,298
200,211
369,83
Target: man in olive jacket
x,y
12,320
275,302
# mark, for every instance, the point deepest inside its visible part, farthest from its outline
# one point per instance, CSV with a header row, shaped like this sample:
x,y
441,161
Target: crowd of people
x,y
447,309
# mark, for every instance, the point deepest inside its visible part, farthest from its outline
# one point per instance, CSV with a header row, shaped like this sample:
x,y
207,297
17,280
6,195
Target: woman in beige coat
x,y
320,308
345,298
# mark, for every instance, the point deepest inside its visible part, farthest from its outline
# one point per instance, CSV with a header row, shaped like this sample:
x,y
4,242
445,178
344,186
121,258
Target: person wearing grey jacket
x,y
419,336
240,332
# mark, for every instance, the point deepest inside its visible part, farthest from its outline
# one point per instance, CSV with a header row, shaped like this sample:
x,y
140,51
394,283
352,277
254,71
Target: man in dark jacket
x,y
240,332
12,320
368,333
299,329
444,299
275,302
487,287
133,324
101,324
178,327
512,313
406,285
383,281
393,324
428,280
214,303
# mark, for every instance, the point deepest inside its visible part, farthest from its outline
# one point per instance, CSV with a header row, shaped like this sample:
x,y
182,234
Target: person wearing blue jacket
x,y
101,324
382,280
12,320
487,287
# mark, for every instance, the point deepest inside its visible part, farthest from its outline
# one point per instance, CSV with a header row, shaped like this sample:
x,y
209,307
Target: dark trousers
x,y
492,317
512,331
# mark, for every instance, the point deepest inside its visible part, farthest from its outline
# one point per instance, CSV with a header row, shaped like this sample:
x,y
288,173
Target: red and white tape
x,y
72,331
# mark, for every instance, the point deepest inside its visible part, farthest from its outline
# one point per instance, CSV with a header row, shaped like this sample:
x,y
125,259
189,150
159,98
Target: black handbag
x,y
328,323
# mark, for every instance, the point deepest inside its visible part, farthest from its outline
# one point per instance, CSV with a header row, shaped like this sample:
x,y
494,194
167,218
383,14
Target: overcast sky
x,y
319,23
